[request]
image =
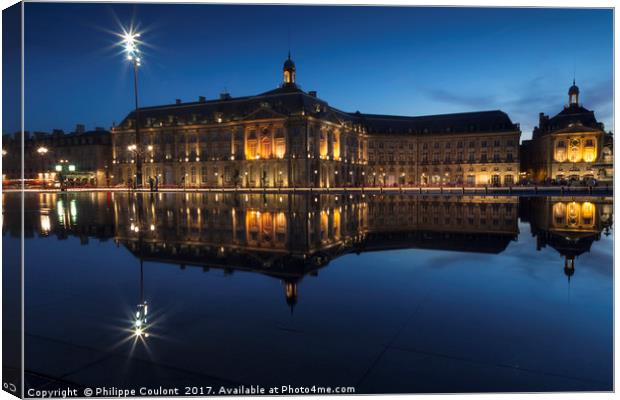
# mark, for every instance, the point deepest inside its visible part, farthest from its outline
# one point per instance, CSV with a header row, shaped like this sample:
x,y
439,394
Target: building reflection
x,y
292,236
569,225
63,215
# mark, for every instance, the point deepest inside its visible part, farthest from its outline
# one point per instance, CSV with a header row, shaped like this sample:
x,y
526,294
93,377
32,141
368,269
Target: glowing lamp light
x,y
130,42
42,150
58,168
71,168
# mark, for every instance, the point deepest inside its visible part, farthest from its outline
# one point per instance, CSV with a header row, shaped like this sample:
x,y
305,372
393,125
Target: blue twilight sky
x,y
392,60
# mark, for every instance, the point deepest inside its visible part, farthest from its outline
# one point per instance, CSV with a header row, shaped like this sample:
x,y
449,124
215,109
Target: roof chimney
x,y
312,93
202,99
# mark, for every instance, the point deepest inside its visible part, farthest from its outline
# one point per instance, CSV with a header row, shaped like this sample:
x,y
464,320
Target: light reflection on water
x,y
385,293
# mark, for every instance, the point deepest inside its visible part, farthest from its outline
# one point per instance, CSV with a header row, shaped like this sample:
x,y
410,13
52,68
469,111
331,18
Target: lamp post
x,y
42,150
130,41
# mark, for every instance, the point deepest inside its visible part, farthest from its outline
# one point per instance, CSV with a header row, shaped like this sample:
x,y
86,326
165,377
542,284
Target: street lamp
x,y
130,42
42,150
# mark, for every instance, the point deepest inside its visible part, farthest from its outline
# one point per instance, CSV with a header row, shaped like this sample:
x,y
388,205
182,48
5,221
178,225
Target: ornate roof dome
x,y
573,89
289,63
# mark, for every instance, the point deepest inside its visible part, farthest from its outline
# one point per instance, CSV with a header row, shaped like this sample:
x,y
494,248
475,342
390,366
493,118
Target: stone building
x,y
81,157
287,137
571,146
281,138
466,149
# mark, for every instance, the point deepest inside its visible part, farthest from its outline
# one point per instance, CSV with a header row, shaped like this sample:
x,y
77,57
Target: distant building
x,y
81,158
571,146
290,138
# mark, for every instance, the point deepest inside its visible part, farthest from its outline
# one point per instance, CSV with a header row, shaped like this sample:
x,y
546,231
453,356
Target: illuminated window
x,y
572,213
251,148
323,145
280,147
193,175
265,147
589,150
336,145
281,222
574,152
587,213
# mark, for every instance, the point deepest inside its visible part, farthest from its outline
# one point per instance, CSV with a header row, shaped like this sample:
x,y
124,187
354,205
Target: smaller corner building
x,y
79,158
287,137
571,146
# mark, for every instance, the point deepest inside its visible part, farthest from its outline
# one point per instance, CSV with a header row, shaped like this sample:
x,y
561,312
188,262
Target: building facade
x,y
79,158
290,138
571,146
467,149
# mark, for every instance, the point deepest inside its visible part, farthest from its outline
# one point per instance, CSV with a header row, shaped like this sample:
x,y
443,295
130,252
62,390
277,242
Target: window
x,y
483,157
509,157
265,145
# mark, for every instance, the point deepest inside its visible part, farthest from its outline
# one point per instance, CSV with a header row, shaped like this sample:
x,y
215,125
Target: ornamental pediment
x,y
263,113
330,116
577,128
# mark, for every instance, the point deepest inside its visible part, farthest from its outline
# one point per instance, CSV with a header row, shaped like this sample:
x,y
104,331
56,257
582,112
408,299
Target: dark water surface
x,y
380,293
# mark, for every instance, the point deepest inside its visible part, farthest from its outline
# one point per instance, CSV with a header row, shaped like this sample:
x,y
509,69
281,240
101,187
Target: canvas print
x,y
212,200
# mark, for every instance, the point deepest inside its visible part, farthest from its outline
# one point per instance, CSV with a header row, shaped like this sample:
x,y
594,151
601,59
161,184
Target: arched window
x,y
573,211
266,220
560,151
574,150
251,146
323,145
559,214
265,146
336,145
587,214
280,144
589,150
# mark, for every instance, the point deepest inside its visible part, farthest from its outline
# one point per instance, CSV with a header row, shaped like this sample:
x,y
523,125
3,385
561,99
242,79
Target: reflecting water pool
x,y
378,293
